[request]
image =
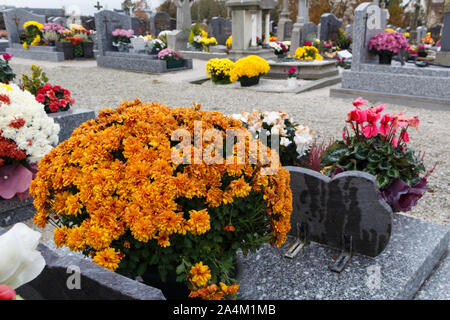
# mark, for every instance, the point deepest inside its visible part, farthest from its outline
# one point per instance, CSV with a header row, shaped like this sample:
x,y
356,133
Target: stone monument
x,y
247,26
303,27
284,24
443,56
178,39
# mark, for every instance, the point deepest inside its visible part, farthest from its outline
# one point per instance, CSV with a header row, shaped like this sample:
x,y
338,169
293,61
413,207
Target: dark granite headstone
x,y
15,210
220,29
435,31
445,40
329,27
349,205
14,20
160,22
106,22
308,32
70,120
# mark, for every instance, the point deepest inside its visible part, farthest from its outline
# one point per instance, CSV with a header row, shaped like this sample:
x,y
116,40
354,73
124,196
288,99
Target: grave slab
x,y
437,286
309,70
96,283
15,210
37,53
414,249
71,119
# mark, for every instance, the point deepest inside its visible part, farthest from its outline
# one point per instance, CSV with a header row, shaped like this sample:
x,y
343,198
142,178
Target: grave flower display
x,y
248,70
51,33
32,35
307,53
173,58
121,39
3,34
219,70
291,76
428,39
195,35
294,139
120,192
386,44
279,48
54,98
26,135
376,143
155,46
229,42
207,42
20,262
6,72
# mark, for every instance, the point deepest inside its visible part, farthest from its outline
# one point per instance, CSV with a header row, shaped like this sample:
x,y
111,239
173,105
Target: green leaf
x,y
393,173
181,268
142,268
374,157
384,165
382,181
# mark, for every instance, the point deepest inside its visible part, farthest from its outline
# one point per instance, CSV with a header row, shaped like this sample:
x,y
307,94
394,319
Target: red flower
x,y
307,43
385,127
53,106
62,103
56,88
370,130
359,102
7,56
7,293
17,123
47,87
40,98
5,99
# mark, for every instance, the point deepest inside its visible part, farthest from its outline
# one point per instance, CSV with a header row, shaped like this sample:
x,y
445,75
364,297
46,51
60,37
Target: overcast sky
x,y
86,6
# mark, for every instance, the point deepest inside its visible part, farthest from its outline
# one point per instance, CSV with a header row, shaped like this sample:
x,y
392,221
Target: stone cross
x,y
284,22
184,19
303,11
98,6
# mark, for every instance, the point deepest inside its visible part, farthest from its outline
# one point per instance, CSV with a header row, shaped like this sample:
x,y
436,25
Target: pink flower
x,y
7,293
7,56
384,124
404,136
116,33
359,102
414,122
357,115
370,131
394,142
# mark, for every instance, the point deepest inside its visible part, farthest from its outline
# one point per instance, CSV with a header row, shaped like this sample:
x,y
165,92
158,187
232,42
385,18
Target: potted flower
x,y
195,35
219,70
77,43
386,44
64,45
155,46
377,144
428,39
229,42
307,53
51,33
329,50
26,135
54,98
32,35
422,51
135,209
279,49
86,43
207,42
248,70
173,58
294,139
121,39
291,76
6,73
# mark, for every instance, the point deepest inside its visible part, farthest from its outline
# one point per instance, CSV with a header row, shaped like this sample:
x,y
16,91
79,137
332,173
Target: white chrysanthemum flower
x,y
39,133
285,141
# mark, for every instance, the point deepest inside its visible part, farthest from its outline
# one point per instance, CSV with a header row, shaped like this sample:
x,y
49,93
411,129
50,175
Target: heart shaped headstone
x,y
348,205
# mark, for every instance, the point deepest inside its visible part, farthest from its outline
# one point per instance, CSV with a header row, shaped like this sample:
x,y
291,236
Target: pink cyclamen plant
x,y
168,54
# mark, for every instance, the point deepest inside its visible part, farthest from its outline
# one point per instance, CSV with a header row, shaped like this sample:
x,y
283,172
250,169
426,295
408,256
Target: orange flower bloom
x,y
199,221
200,274
108,258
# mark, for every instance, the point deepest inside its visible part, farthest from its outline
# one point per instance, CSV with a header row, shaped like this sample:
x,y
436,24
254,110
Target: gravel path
x,y
95,88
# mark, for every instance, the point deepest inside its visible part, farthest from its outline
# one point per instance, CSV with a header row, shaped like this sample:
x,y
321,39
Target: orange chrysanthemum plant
x,y
114,193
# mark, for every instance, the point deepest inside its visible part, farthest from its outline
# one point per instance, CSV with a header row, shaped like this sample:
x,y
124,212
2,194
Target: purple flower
x,y
14,178
337,171
401,197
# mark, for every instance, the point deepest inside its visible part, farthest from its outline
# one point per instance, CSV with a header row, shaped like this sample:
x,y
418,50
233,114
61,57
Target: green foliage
x,y
37,80
376,157
342,41
6,73
216,248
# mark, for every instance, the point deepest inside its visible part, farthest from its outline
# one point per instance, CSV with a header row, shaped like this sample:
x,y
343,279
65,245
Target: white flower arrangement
x,y
295,140
20,262
38,133
278,47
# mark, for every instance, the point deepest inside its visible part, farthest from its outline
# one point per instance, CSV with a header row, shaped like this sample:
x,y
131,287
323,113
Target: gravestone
x,y
348,205
349,31
443,56
299,33
308,32
369,20
173,24
435,31
62,21
329,27
178,39
421,33
160,21
285,24
220,29
106,22
14,20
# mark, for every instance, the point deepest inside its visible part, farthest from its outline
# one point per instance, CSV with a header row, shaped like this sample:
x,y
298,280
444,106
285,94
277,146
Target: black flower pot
x,y
88,49
171,289
385,58
422,54
248,82
172,64
67,48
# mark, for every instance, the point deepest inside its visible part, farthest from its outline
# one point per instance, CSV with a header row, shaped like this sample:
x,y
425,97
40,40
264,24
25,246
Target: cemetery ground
x,y
96,88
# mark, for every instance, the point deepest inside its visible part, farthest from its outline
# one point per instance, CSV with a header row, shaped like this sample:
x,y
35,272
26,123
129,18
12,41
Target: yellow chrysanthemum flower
x,y
33,23
229,42
250,66
200,274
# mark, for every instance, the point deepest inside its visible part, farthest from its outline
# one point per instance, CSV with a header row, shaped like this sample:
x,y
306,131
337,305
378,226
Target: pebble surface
x,y
95,88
